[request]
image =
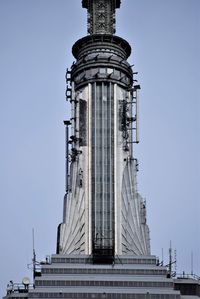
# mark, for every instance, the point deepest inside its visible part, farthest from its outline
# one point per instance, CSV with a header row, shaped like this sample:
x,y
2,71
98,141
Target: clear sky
x,y
35,50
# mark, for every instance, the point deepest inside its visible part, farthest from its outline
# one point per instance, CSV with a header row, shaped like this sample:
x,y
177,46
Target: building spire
x,y
101,15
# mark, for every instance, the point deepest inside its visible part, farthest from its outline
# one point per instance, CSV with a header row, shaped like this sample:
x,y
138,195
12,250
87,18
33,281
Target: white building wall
x,y
131,230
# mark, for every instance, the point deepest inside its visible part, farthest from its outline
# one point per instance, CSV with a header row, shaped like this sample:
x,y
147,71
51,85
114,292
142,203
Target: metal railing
x,y
18,288
187,276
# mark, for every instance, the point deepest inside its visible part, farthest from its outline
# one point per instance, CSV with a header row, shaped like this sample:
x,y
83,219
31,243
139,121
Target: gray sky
x,y
35,50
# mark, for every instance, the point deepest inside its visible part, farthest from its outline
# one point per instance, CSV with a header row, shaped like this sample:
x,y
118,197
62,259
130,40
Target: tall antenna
x,y
170,259
192,270
175,258
162,262
34,255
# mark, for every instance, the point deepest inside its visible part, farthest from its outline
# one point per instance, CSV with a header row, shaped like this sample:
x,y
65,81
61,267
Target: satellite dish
x,y
26,281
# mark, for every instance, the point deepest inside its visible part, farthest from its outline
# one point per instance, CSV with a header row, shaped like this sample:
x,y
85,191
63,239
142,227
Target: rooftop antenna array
x,y
172,261
35,263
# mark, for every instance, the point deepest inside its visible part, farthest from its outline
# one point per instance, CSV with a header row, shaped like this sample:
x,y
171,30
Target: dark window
x,y
83,123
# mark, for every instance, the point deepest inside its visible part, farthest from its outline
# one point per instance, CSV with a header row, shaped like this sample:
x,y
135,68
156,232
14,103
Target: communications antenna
x,y
171,262
192,270
175,258
35,263
34,254
162,261
170,259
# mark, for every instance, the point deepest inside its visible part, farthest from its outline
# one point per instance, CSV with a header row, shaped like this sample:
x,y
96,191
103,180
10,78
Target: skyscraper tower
x,y
103,247
104,215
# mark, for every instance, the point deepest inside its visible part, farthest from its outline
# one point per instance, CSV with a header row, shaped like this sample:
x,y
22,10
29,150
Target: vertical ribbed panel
x,y
135,232
103,168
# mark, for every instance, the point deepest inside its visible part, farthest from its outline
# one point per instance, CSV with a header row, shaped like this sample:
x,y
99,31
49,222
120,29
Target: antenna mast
x,y
162,262
170,259
192,272
34,255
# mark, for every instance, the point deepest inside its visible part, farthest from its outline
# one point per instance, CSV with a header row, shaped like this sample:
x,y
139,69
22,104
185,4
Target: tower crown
x,y
101,15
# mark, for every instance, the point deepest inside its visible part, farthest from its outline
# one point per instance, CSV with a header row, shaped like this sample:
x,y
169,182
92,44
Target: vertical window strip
x,y
103,166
